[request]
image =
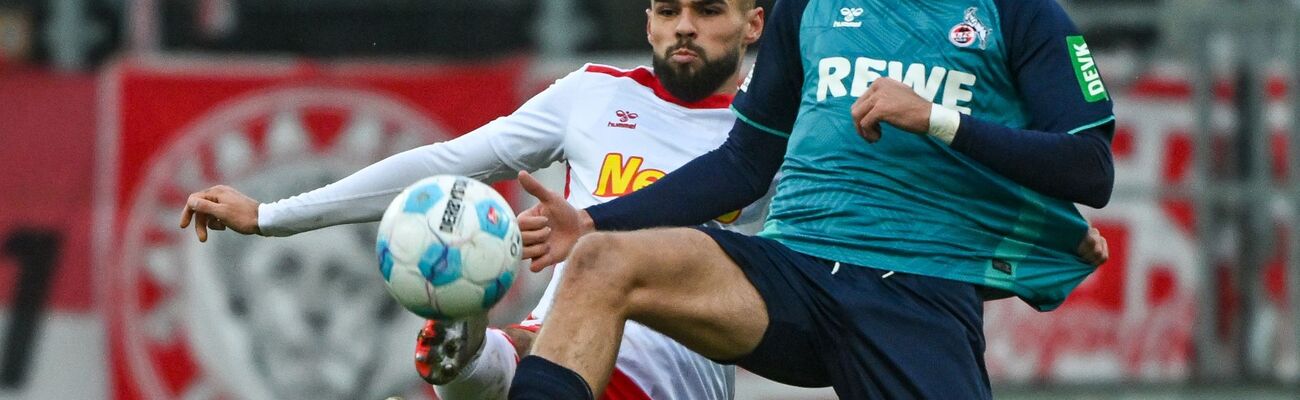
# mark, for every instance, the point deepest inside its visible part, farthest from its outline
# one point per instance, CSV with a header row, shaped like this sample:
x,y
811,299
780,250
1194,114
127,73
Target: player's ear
x,y
647,26
753,25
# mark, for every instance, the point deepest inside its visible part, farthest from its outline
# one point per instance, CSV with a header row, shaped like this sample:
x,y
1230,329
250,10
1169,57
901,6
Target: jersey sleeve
x,y
1055,71
531,138
1064,150
769,97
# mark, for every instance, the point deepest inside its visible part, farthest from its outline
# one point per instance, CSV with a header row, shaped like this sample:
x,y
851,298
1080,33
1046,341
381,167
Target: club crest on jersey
x,y
849,14
624,120
970,31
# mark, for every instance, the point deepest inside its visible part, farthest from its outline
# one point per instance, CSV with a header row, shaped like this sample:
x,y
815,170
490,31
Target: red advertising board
x,y
47,127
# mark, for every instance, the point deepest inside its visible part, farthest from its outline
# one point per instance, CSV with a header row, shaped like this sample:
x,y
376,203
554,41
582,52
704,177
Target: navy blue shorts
x,y
869,333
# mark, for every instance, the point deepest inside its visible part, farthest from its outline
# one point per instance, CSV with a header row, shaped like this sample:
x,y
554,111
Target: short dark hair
x,y
743,5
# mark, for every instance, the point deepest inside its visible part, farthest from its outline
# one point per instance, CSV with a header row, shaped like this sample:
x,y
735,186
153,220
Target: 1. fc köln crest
x,y
302,317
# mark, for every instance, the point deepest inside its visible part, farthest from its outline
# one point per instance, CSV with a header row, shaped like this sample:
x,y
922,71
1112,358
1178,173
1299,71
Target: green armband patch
x,y
1086,70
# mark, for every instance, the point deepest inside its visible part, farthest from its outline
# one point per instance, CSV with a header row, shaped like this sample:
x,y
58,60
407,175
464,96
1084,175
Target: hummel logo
x,y
849,15
623,118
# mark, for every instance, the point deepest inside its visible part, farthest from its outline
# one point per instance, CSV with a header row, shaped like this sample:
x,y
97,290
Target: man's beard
x,y
692,87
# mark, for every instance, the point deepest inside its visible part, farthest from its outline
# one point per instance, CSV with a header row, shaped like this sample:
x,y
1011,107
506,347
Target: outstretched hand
x,y
1094,249
220,207
550,228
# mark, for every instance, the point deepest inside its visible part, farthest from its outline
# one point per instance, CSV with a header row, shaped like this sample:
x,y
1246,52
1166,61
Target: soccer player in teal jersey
x,y
931,154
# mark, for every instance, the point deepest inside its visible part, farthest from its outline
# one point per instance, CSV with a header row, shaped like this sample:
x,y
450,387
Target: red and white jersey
x,y
618,130
625,132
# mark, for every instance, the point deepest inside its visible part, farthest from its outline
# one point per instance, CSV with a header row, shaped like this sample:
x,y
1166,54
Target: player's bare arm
x,y
220,207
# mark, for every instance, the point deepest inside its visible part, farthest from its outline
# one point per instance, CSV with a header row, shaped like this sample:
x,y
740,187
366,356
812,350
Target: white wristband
x,y
943,123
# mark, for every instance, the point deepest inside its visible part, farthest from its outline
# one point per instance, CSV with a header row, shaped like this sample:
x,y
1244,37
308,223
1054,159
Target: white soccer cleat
x,y
444,348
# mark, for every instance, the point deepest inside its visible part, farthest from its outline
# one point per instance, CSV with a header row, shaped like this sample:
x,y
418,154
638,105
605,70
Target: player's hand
x,y
551,227
1094,249
220,207
891,101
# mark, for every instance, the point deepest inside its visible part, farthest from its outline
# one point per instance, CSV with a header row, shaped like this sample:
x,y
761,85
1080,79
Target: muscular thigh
x,y
688,288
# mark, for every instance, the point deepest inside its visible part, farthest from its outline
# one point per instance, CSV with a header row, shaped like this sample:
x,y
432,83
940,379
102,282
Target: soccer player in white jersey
x,y
618,130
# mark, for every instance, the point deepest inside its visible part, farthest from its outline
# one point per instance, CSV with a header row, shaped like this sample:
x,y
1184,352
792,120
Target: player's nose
x,y
685,25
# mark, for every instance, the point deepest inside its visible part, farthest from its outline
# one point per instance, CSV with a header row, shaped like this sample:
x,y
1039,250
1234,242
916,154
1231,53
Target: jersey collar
x,y
646,77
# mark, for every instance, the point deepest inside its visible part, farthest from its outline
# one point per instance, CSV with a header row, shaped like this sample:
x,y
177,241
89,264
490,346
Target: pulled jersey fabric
x,y
909,202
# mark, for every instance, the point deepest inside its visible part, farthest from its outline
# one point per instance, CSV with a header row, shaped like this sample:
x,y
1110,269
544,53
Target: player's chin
x,y
687,68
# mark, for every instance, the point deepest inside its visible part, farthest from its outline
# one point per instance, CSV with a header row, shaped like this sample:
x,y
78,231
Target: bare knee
x,y
601,255
593,248
602,268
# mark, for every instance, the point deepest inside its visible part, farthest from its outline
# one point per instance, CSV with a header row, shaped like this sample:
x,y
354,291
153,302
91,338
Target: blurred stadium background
x,y
112,110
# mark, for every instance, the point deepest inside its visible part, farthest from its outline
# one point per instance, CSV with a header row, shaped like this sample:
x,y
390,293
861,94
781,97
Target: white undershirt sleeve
x,y
531,138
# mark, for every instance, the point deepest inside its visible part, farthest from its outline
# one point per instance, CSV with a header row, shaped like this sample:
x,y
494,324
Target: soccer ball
x,y
448,247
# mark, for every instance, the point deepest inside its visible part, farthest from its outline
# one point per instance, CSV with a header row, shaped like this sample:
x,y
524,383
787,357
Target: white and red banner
x,y
258,318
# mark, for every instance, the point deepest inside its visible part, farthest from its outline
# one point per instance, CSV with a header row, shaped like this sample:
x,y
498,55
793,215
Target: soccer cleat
x,y
444,348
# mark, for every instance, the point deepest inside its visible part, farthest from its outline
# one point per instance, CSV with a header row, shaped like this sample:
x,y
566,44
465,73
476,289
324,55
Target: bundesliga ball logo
x,y
448,247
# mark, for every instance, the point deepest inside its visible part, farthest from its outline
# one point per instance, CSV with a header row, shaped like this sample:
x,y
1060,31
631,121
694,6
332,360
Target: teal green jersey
x,y
912,203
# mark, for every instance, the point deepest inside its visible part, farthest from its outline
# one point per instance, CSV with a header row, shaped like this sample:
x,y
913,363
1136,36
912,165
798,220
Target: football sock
x,y
539,379
488,375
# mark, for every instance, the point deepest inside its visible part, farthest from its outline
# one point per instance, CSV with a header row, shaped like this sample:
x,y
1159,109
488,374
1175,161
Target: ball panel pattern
x,y
493,292
459,299
448,247
422,198
491,219
407,239
440,264
385,258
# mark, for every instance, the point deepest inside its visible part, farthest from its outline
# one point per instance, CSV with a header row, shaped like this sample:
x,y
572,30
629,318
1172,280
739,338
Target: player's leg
x,y
444,348
905,336
649,364
676,281
463,360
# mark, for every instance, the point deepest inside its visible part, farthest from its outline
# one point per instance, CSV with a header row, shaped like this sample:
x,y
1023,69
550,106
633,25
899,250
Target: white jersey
x,y
619,130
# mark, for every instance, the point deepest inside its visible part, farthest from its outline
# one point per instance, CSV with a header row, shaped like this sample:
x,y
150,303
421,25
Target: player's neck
x,y
730,86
